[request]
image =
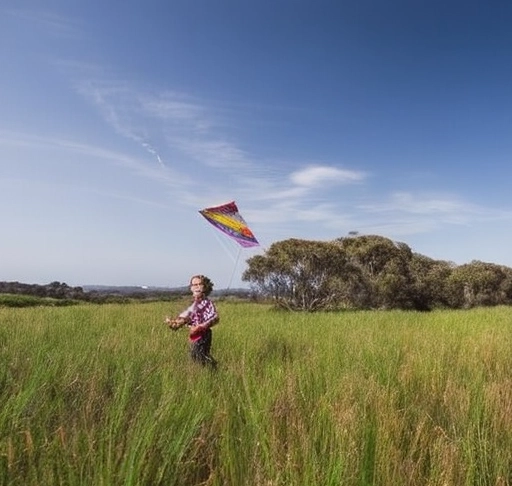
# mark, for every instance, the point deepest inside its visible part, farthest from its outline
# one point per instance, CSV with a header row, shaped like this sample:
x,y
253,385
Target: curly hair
x,y
207,284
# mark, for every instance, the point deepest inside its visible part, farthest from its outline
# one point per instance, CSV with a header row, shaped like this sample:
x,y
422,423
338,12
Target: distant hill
x,y
109,293
143,291
131,289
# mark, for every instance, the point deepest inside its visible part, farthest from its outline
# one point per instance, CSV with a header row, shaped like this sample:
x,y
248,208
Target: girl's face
x,y
197,287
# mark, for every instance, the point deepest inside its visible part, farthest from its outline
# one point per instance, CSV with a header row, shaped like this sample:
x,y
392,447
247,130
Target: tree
x,y
384,267
300,274
372,272
480,284
430,281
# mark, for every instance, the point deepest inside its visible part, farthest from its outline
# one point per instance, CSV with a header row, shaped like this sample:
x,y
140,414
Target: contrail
x,y
153,152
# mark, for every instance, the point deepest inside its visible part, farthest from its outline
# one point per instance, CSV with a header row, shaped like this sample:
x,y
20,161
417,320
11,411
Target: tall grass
x,y
106,395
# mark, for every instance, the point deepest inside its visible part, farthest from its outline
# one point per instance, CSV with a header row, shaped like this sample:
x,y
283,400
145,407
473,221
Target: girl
x,y
200,317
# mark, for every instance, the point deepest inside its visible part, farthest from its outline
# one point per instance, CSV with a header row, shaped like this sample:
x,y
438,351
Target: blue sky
x,y
119,121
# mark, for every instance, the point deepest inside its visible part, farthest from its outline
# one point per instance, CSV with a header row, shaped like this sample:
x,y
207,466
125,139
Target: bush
x,y
15,300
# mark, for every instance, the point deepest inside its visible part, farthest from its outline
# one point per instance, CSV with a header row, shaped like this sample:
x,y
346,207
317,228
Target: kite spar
x,y
227,218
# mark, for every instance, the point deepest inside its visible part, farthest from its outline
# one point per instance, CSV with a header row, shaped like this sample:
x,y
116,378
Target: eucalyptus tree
x,y
480,284
385,268
371,272
431,279
302,275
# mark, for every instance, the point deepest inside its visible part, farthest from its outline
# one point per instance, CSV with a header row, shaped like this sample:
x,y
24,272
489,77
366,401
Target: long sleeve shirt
x,y
202,312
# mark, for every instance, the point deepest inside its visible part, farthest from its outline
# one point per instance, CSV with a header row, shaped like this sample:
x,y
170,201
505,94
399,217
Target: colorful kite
x,y
227,219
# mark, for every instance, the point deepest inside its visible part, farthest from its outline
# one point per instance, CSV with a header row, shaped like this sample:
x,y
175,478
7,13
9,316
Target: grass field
x,y
106,395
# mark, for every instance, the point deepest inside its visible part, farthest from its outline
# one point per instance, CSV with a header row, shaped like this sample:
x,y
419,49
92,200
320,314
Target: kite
x,y
227,219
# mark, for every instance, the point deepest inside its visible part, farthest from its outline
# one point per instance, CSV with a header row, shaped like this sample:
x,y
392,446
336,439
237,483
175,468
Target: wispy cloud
x,y
409,213
184,125
93,152
53,24
190,138
211,152
318,175
178,110
423,203
299,187
119,106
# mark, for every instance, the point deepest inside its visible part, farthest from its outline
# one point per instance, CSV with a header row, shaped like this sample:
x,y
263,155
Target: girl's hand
x,y
176,323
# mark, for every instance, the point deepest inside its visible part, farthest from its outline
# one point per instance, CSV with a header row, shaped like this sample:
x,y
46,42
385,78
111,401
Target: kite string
x,y
234,267
222,243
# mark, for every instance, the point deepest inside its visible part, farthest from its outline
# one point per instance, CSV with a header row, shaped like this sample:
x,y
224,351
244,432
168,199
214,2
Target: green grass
x,y
106,395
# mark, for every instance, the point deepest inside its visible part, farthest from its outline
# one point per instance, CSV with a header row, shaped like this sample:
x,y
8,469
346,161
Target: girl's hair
x,y
207,284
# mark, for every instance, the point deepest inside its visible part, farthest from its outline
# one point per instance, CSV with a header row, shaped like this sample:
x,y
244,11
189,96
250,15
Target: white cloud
x,y
315,176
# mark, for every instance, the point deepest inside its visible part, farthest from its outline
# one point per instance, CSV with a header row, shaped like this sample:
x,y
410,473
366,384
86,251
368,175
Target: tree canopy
x,y
371,271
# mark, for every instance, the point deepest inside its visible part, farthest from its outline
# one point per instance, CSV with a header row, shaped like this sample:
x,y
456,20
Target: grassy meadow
x,y
105,395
